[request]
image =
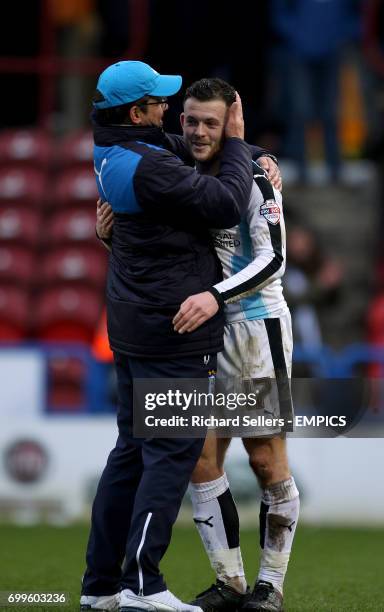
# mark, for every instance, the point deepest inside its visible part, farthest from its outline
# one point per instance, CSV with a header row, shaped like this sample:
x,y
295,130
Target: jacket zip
x,y
141,581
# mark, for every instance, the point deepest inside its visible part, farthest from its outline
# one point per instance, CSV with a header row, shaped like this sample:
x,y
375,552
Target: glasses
x,y
162,101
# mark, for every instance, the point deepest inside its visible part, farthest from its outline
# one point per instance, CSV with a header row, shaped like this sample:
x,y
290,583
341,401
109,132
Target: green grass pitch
x,y
331,569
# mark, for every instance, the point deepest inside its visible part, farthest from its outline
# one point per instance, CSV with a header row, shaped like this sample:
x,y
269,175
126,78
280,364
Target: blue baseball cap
x,y
128,81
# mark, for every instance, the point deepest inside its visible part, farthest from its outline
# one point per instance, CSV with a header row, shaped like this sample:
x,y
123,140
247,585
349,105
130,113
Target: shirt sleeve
x,y
176,144
267,232
165,185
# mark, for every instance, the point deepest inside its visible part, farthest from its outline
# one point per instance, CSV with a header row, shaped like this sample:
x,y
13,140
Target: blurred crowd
x,y
286,57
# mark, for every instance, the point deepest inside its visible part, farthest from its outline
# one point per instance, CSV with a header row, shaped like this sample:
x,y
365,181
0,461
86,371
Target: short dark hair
x,y
118,115
211,89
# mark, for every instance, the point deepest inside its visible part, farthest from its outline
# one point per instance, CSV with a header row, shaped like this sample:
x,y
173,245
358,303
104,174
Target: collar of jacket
x,y
107,136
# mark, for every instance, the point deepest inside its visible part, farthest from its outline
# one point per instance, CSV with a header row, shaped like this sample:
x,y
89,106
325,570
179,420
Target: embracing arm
x,y
164,184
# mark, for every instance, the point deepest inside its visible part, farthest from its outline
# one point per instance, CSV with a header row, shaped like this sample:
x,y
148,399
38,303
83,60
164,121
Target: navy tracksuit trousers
x,y
140,490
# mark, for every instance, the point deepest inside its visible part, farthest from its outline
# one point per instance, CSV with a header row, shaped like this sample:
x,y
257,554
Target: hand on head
x,y
234,127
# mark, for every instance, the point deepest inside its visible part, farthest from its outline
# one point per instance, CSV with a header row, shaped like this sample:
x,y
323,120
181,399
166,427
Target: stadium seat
x,y
20,225
375,324
69,265
66,375
17,265
76,149
72,227
14,314
25,147
376,320
75,187
67,314
26,186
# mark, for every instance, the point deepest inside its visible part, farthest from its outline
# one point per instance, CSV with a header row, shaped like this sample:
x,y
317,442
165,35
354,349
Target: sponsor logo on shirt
x,y
225,240
270,211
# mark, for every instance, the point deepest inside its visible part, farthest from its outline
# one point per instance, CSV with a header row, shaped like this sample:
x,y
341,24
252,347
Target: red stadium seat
x,y
14,314
76,187
376,320
19,225
26,186
67,314
25,147
72,227
17,265
375,323
76,150
65,383
76,264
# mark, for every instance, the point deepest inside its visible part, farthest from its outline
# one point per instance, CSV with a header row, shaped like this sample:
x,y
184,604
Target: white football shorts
x,y
257,362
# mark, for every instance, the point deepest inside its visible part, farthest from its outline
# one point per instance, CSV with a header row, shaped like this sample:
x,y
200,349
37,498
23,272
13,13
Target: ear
x,y
182,119
135,115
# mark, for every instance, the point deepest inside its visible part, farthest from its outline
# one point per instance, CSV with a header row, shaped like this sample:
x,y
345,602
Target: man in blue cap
x,y
161,253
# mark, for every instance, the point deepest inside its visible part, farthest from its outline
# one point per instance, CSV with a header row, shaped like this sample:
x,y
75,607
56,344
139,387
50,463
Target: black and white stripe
x,y
275,339
259,280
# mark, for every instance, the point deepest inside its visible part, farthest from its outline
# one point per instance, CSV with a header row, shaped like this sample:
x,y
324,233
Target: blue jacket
x,y
161,248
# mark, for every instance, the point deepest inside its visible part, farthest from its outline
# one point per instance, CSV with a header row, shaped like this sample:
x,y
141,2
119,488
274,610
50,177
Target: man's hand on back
x,y
194,311
272,170
104,220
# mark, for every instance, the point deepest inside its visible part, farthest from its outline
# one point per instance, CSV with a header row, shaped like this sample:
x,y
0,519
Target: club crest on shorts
x,y
271,211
